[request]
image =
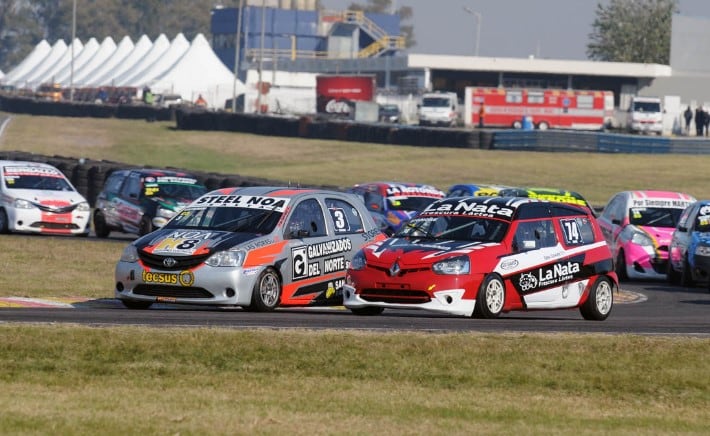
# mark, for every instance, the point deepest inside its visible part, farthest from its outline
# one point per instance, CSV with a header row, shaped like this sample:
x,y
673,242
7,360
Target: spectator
x,y
688,115
201,102
699,121
481,115
706,118
147,95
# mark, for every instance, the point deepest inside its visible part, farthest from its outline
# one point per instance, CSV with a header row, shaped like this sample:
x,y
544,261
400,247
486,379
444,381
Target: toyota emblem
x,y
169,262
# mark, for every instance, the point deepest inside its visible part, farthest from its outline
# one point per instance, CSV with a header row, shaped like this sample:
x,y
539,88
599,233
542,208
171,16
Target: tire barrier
x,y
31,106
313,127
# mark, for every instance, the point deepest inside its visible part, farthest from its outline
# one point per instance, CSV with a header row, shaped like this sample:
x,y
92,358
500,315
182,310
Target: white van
x,y
439,109
645,115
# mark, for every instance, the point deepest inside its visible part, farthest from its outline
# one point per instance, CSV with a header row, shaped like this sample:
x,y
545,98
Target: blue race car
x,y
689,250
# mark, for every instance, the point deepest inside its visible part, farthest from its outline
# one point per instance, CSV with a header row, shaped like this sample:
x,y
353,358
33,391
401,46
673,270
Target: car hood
x,y
409,252
48,198
191,242
660,235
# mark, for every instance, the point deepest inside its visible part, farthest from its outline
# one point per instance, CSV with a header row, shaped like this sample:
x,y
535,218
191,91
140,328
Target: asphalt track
x,y
646,308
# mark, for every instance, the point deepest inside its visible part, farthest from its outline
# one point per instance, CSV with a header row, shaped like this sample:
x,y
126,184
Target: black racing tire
x,y
599,302
686,276
4,226
620,268
367,311
266,294
146,226
100,227
137,305
672,276
491,298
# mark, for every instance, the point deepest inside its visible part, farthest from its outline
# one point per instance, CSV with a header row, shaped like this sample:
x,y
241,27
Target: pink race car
x,y
638,226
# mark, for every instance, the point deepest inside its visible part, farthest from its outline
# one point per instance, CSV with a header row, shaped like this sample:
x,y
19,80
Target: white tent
x,y
177,49
48,74
55,53
40,51
105,50
116,67
63,76
198,72
160,46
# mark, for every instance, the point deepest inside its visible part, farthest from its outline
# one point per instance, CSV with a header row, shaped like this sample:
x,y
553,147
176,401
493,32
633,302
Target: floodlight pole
x,y
73,37
237,55
479,18
261,55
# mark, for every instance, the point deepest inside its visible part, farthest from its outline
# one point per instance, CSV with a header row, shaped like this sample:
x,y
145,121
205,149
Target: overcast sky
x,y
553,29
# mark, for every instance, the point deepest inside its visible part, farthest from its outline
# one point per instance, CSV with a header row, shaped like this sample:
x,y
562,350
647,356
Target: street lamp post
x,y
237,54
479,18
73,37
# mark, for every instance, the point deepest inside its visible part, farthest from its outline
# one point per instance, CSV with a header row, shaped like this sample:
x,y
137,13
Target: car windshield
x,y
647,106
409,203
654,216
174,190
230,219
435,102
460,228
35,178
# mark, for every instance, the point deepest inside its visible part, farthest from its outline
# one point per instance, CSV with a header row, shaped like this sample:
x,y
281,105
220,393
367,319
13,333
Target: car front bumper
x,y
37,221
205,285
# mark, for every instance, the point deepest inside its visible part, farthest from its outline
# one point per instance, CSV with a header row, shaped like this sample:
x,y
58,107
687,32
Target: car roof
x,y
659,194
507,208
280,191
26,163
155,172
395,188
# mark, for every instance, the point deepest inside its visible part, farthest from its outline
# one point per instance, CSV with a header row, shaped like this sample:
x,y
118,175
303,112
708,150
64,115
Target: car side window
x,y
307,220
132,187
346,218
577,231
534,234
685,219
113,183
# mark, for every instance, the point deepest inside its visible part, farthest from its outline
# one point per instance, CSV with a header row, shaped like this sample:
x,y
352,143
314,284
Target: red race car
x,y
483,256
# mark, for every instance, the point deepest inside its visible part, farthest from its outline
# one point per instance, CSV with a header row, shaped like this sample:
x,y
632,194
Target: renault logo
x,y
394,269
169,262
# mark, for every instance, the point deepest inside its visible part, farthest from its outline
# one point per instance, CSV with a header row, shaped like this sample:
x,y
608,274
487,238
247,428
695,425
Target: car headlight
x,y
227,258
702,250
83,207
641,239
453,266
165,213
130,254
358,263
22,204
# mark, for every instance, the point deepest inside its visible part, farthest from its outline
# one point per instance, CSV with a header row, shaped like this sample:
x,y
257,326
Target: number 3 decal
x,y
340,220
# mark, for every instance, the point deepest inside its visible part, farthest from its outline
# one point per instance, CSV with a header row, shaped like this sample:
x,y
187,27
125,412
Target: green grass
x,y
67,379
79,380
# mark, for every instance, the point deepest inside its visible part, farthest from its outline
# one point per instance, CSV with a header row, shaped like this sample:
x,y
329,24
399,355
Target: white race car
x,y
38,198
